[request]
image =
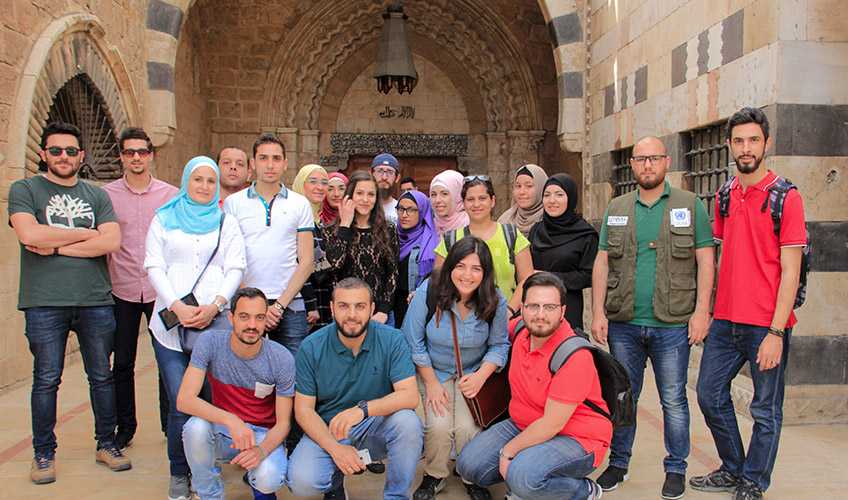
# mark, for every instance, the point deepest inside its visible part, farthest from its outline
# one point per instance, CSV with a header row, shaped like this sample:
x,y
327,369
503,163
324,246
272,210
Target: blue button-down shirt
x,y
432,345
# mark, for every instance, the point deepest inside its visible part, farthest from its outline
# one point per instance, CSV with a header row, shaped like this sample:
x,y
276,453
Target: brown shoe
x,y
111,457
43,469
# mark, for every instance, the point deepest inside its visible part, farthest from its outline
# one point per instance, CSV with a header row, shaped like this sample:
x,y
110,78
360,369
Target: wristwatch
x,y
504,455
363,405
219,305
278,306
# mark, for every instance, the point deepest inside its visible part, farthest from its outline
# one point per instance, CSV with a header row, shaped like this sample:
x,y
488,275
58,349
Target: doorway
x,y
422,169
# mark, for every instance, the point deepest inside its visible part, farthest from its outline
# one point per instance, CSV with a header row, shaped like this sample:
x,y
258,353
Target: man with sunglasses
x,y
651,288
385,170
66,228
135,197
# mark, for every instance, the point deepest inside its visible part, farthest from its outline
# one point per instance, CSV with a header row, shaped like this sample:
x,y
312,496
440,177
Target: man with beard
x,y
651,288
549,421
232,161
66,228
753,316
135,197
252,383
356,391
385,170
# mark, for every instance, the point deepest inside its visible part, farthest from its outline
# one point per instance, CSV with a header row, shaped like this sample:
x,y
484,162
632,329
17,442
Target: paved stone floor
x,y
812,462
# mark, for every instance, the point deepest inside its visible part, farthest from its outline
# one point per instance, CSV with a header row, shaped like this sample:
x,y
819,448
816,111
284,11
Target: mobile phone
x,y
364,455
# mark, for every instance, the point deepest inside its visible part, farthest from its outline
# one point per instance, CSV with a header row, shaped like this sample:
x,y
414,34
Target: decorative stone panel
x,y
346,145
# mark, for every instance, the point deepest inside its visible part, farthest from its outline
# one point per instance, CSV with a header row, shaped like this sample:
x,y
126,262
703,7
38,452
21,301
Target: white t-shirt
x,y
390,209
270,237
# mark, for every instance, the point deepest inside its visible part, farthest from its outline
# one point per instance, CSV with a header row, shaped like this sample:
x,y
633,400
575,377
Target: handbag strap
x,y
214,252
456,346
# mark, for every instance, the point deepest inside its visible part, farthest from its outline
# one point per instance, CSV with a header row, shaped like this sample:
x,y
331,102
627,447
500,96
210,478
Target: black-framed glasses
x,y
142,153
548,308
479,177
384,172
323,182
655,159
57,151
410,210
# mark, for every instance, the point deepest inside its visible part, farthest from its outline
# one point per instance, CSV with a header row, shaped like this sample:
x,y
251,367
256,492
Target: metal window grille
x,y
622,172
708,163
80,103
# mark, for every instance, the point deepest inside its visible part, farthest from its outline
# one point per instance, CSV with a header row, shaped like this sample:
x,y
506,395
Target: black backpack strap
x,y
776,199
724,197
564,351
431,301
518,327
510,235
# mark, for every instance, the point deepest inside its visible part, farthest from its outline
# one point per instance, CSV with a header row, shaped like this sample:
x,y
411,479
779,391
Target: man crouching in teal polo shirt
x,y
355,391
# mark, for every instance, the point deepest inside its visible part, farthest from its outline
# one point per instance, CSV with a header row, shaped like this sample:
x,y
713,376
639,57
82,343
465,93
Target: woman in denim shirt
x,y
465,288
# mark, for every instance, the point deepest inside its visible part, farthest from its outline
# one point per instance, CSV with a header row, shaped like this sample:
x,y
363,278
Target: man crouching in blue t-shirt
x,y
252,384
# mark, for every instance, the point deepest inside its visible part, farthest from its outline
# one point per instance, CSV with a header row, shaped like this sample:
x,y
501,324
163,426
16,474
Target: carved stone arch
x,y
328,34
67,47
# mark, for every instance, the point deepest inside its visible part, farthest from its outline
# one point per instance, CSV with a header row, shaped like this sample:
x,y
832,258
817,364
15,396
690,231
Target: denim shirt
x,y
412,270
432,345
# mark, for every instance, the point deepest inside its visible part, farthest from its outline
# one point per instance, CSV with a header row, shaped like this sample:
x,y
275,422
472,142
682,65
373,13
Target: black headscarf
x,y
556,231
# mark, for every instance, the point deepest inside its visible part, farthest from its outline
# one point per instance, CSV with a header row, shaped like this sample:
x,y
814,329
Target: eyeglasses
x,y
57,151
384,172
142,153
548,308
317,181
410,210
471,178
655,159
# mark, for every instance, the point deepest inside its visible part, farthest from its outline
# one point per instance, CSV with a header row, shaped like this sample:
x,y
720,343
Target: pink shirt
x,y
134,212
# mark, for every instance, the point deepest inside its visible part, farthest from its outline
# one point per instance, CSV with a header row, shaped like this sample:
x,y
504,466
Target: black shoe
x,y
429,487
674,486
747,490
376,468
612,477
337,494
477,492
245,478
717,480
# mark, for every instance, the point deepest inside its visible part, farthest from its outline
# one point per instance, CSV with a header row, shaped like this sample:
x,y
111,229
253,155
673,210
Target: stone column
x,y
307,146
497,167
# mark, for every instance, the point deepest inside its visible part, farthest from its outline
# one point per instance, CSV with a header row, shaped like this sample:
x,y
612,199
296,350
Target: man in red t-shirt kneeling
x,y
552,440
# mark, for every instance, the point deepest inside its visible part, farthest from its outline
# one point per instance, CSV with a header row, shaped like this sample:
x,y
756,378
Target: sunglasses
x,y
142,153
472,178
57,151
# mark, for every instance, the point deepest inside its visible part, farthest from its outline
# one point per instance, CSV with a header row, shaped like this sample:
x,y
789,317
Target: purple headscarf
x,y
423,234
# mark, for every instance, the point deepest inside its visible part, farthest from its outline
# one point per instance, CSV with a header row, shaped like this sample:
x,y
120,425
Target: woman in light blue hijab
x,y
192,247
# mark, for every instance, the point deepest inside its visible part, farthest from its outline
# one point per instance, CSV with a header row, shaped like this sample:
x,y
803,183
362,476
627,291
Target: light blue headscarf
x,y
181,212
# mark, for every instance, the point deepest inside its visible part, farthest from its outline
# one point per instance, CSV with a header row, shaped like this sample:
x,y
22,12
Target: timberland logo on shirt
x,y
65,211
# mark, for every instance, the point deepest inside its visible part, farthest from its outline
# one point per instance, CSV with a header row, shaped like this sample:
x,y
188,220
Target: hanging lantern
x,y
395,67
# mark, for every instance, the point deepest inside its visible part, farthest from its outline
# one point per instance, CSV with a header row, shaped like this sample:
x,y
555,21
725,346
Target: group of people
x,y
328,311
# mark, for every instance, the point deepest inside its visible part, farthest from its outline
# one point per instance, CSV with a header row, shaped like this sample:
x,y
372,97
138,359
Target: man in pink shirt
x,y
135,196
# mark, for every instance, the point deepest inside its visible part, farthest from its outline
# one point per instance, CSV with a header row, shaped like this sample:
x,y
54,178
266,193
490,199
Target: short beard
x,y
345,334
749,169
245,342
658,179
542,334
60,175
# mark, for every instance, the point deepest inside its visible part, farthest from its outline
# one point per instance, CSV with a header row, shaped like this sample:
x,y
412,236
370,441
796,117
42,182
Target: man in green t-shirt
x,y
651,288
66,228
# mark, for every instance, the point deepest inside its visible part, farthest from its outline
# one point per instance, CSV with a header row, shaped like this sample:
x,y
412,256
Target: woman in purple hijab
x,y
418,239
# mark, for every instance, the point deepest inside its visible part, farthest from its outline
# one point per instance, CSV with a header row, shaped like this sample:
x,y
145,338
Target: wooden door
x,y
422,169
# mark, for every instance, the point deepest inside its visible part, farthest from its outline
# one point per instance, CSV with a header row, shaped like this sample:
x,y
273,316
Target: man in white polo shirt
x,y
277,227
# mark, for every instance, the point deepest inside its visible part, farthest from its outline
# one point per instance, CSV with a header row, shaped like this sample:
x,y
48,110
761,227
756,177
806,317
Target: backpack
x,y
615,383
510,235
775,200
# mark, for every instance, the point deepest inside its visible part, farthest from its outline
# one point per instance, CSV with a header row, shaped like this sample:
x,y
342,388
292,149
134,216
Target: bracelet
x,y
503,455
774,331
263,451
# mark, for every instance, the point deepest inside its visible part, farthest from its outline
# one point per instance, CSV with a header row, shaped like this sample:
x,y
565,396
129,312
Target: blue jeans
x,y
398,437
726,349
291,330
553,470
172,367
207,443
668,348
47,331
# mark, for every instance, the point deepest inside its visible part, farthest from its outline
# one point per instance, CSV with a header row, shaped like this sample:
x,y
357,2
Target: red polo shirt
x,y
750,256
532,385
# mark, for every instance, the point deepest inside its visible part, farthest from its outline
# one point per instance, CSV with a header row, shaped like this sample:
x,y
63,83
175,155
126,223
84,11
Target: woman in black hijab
x,y
564,243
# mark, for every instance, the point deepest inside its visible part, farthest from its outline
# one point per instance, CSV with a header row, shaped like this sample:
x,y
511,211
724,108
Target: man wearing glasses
x,y
385,170
66,228
549,421
135,198
651,288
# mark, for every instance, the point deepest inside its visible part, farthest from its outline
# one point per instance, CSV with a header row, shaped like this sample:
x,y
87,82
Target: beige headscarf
x,y
524,219
300,180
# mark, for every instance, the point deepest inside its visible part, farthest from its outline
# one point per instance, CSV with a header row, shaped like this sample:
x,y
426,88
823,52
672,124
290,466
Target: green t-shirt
x,y
60,281
648,221
504,271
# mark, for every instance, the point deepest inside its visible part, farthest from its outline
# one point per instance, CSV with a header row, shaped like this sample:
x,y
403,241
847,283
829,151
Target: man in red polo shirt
x,y
549,422
753,315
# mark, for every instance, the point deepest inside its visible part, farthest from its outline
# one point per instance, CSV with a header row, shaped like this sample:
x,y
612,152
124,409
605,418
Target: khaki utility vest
x,y
676,283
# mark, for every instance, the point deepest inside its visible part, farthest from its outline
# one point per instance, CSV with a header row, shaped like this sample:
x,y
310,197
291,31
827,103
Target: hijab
x,y
557,231
456,218
525,218
423,234
328,214
185,214
299,185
